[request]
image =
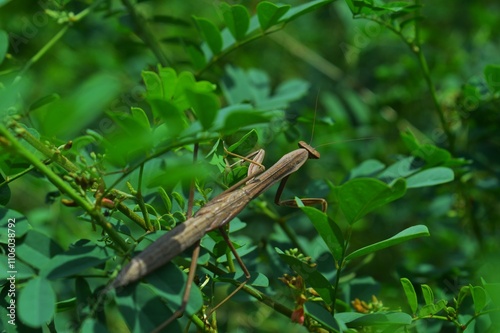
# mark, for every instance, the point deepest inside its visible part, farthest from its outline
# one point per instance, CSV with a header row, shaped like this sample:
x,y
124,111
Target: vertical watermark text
x,y
11,270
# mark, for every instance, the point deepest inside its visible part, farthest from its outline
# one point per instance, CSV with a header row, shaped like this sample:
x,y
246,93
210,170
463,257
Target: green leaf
x,y
327,229
428,294
153,84
243,143
285,93
82,294
140,117
432,154
430,177
67,117
352,6
90,325
174,119
174,174
493,290
464,292
166,199
428,152
311,275
37,249
359,196
402,168
7,265
9,97
411,296
4,44
43,101
37,302
130,139
492,76
210,33
269,13
440,305
479,297
187,82
81,256
168,80
302,9
237,19
366,169
427,310
169,282
256,279
143,310
197,58
405,235
254,28
15,221
254,86
242,117
205,106
179,199
240,86
320,314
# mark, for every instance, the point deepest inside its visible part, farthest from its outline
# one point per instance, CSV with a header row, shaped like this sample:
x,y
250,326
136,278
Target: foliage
x,y
105,103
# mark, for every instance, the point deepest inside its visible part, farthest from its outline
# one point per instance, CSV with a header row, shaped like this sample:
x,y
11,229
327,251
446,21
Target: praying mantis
x,y
216,214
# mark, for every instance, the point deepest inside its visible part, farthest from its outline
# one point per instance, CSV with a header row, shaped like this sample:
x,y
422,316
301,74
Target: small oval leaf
x,y
430,177
479,297
359,196
411,296
237,20
37,302
210,33
269,13
428,294
327,229
403,236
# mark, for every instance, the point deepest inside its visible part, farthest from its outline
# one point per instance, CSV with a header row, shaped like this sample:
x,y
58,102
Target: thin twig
x,y
11,143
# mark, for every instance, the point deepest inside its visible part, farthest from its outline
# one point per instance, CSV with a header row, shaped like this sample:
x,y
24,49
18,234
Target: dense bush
x,y
114,111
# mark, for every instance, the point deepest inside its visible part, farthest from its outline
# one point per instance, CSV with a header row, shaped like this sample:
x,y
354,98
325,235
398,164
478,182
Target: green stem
x,y
15,146
415,47
291,235
145,34
284,310
476,315
40,53
54,40
340,265
158,153
417,50
132,216
9,179
230,261
444,318
281,221
53,154
198,322
140,200
235,46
